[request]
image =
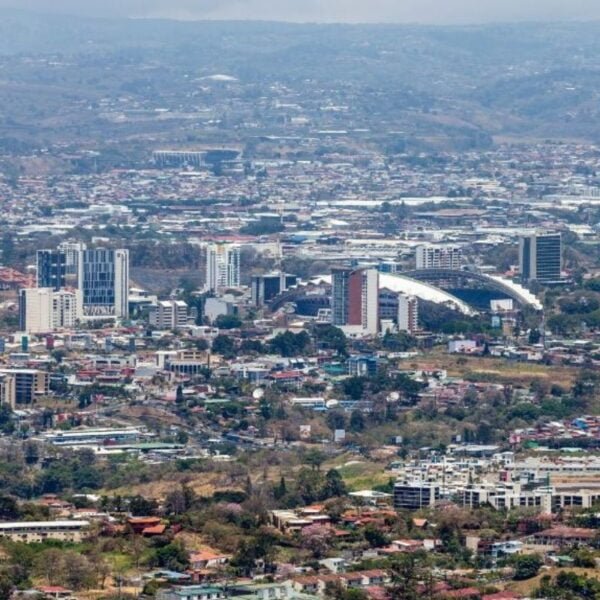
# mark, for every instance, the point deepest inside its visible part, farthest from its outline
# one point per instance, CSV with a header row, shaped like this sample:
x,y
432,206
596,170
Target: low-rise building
x,y
40,531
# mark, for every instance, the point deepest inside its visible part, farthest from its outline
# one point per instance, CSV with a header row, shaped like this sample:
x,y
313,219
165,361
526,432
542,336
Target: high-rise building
x,y
8,394
266,287
60,268
222,266
439,257
42,310
408,313
35,310
105,282
540,257
66,308
355,300
168,314
102,276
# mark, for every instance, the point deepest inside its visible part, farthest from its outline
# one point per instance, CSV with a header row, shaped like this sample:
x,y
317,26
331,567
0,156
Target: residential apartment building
x,y
438,257
222,266
8,392
168,314
43,310
40,531
408,313
355,300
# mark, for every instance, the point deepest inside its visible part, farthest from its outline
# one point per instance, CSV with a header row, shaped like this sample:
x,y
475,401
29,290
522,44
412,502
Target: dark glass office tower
x,y
540,257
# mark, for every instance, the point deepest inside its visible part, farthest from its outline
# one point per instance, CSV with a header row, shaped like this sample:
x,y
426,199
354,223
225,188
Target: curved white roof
x,y
420,289
523,293
424,291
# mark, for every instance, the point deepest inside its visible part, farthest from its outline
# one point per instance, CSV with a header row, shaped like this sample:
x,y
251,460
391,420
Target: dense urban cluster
x,y
260,343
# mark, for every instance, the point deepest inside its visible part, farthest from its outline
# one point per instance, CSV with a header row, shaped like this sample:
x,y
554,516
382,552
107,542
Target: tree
x,y
172,556
526,566
374,536
50,565
9,509
290,344
6,585
405,577
280,490
398,342
354,387
179,397
315,458
141,507
357,421
309,485
251,347
224,345
315,538
331,337
228,322
334,484
336,420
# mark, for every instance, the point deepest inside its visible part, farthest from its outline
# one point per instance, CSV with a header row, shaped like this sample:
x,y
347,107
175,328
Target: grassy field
x,y
495,369
362,475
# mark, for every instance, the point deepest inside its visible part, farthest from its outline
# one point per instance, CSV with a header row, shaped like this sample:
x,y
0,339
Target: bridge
x,y
513,290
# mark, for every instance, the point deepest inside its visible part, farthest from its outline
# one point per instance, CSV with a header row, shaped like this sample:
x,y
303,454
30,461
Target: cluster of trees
x,y
263,227
357,388
568,585
310,485
437,317
27,472
285,344
167,256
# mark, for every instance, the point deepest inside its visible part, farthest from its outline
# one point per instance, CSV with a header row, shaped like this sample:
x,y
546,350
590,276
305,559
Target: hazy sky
x,y
426,11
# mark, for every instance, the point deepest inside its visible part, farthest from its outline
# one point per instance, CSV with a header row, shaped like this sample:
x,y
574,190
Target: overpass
x,y
513,290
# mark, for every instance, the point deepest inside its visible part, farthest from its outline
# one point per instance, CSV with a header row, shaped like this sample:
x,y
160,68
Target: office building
x,y
438,257
168,314
416,495
29,384
408,313
362,366
105,282
102,276
222,266
355,300
540,257
266,287
60,268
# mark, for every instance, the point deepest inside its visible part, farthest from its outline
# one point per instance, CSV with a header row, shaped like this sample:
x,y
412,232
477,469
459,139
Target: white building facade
x,y
222,266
